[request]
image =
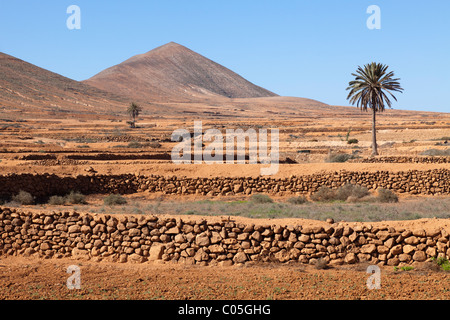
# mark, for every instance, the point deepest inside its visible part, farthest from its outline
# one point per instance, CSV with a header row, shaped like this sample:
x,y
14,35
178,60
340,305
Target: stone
x,y
215,248
156,252
350,258
172,231
80,254
395,250
431,251
408,249
240,257
135,258
369,248
225,263
44,246
74,229
411,240
202,240
201,255
256,236
419,256
180,238
303,238
403,257
134,232
382,249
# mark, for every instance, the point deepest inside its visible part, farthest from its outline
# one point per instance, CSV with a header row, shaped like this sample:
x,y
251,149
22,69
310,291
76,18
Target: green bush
x,y
114,199
23,197
386,195
297,200
352,141
261,198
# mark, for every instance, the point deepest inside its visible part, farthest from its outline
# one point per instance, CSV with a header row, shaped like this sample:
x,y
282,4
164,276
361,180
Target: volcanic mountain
x,y
26,89
174,73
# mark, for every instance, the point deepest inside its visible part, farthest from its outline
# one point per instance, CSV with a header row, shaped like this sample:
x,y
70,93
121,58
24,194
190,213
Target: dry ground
x,y
29,278
401,133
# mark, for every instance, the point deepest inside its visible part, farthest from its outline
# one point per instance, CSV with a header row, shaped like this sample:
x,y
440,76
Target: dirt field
x,y
53,143
22,278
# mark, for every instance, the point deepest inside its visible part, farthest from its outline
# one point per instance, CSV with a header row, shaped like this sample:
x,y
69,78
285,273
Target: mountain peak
x,y
173,72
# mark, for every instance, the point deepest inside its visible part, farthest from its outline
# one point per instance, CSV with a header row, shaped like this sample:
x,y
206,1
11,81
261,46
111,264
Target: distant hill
x,y
174,73
28,89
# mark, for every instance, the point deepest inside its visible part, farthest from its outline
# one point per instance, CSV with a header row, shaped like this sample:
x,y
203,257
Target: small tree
x,y
134,110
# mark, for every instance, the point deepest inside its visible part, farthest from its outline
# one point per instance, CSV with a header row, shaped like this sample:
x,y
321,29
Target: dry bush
x,y
57,200
386,195
321,264
75,198
23,197
297,200
114,199
324,193
351,190
261,198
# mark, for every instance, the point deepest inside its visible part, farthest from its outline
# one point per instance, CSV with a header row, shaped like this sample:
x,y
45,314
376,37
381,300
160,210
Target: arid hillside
x,y
173,72
30,91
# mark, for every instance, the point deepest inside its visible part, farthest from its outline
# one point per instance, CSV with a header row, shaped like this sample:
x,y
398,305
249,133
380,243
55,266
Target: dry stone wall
x,y
404,159
429,182
128,238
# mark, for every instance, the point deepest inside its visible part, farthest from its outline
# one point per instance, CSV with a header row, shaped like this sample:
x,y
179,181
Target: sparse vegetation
x,y
114,199
297,200
57,200
261,198
443,263
71,198
386,195
436,152
343,193
339,157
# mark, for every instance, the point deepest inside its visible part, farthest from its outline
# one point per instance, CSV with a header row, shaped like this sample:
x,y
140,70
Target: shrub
x,y
443,263
436,152
75,198
23,197
324,193
154,144
339,157
386,195
261,198
134,144
297,200
114,199
351,190
57,200
352,141
321,264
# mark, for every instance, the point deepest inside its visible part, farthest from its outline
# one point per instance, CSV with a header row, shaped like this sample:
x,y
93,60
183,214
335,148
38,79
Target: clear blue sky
x,y
300,48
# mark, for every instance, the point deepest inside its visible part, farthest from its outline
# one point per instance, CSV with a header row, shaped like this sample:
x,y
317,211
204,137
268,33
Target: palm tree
x,y
134,110
370,90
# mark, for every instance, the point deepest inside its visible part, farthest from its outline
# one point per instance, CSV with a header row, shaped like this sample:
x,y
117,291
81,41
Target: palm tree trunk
x,y
374,134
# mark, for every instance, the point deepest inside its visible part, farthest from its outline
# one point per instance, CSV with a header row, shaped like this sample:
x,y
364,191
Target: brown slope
x,y
174,73
28,90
